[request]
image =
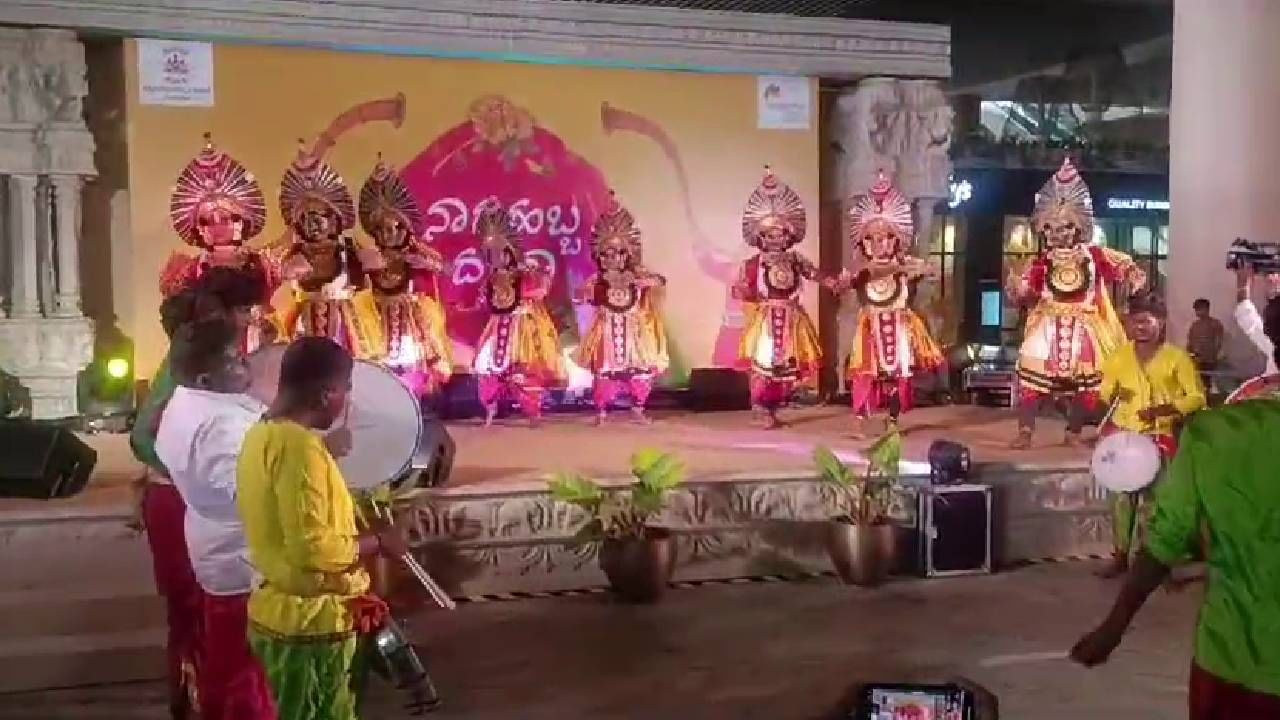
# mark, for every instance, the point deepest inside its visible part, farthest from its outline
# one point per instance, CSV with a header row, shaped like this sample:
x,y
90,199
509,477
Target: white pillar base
x,y
46,355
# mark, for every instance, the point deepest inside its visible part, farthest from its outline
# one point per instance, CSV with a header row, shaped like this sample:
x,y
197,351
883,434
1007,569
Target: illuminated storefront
x,y
983,234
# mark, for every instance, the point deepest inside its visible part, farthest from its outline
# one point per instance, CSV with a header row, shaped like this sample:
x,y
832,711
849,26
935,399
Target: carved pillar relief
x,y
46,152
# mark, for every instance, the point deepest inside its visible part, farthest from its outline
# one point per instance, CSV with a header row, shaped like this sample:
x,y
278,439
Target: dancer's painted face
x,y
392,232
1062,230
317,224
612,258
219,225
775,238
880,240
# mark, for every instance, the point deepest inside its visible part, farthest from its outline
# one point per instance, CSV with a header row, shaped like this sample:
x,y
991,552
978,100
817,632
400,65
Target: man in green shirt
x,y
1223,477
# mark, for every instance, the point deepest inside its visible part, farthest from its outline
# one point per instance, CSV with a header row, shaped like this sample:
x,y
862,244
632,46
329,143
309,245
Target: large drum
x,y
384,418
1125,462
1262,386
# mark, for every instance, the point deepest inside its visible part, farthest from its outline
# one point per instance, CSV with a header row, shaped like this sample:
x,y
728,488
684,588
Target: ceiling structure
x,y
916,10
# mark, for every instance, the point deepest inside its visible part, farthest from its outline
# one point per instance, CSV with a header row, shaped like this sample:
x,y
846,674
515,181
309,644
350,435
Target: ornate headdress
x,y
773,204
616,227
214,180
882,203
310,182
1065,193
384,192
494,228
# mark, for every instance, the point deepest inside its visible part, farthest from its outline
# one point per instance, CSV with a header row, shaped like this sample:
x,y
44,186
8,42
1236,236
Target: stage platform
x,y
78,602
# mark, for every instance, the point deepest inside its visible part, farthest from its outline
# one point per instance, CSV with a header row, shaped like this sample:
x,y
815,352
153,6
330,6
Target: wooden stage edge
x,y
512,457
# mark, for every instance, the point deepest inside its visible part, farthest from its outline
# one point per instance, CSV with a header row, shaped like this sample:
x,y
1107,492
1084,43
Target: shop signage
x,y
1119,203
959,192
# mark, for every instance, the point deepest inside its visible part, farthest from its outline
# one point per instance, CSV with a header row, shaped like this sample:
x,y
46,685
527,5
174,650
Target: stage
x,y
718,446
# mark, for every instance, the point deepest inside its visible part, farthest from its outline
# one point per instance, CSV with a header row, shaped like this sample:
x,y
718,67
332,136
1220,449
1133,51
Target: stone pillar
x,y
66,191
23,230
1224,153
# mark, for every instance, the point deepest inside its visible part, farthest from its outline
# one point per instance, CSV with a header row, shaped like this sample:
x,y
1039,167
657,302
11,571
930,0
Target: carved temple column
x,y
46,152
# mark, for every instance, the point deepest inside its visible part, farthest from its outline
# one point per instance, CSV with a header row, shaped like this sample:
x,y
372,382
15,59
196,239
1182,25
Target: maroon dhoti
x,y
1212,698
233,685
162,514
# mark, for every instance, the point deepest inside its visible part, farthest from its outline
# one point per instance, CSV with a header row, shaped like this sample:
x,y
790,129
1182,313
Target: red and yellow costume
x,y
626,345
1072,326
518,353
413,323
779,343
217,207
890,341
326,267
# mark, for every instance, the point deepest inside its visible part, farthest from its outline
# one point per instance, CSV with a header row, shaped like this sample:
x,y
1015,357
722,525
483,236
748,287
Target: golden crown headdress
x,y
214,178
773,204
385,192
615,227
309,182
1065,192
882,203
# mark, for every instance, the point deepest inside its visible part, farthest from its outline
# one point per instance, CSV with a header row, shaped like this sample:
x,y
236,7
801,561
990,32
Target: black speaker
x,y
459,399
955,529
717,389
436,449
42,461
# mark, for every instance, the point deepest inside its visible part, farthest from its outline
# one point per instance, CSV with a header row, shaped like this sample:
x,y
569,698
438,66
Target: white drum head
x,y
1125,462
384,418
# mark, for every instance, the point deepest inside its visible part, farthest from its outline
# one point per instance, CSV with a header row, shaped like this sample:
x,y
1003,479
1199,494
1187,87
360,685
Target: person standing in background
x,y
1204,340
1247,317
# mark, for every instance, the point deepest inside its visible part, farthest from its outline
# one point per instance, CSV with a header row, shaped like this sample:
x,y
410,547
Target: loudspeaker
x,y
713,389
42,461
955,530
459,399
436,449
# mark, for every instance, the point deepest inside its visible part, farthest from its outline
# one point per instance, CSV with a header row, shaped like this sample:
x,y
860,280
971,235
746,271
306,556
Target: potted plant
x,y
636,556
860,539
383,504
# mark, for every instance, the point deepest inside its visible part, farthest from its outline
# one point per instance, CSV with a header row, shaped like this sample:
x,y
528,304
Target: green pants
x,y
311,679
1130,513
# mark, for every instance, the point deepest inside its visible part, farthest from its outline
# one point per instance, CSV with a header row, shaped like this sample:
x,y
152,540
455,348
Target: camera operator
x,y
1246,313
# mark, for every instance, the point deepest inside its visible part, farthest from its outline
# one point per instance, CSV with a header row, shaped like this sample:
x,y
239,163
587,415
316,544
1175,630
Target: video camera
x,y
1262,258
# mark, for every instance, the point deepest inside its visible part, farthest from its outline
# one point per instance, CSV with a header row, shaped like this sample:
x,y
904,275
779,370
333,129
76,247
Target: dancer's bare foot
x,y
638,415
489,414
1119,565
1023,441
771,420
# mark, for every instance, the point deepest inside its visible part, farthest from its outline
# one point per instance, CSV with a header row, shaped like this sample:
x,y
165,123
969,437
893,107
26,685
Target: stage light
x,y
948,462
117,368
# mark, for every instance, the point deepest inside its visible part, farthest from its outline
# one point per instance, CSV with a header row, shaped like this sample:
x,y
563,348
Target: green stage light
x,y
117,368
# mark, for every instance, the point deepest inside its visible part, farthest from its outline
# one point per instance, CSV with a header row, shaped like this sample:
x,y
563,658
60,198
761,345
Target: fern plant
x,y
865,498
621,513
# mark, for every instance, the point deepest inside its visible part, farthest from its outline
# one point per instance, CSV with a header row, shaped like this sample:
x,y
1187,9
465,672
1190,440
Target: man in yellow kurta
x,y
299,520
1155,386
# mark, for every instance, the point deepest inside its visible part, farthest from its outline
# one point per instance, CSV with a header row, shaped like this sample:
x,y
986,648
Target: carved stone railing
x,y
552,29
46,152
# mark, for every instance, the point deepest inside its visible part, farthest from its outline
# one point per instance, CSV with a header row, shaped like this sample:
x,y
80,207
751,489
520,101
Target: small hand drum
x,y
384,418
1125,462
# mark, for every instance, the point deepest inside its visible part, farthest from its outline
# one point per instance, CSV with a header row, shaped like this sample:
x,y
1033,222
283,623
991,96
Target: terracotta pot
x,y
862,554
639,569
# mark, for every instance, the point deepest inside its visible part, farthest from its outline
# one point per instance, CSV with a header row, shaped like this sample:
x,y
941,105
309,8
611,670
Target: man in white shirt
x,y
1248,318
199,439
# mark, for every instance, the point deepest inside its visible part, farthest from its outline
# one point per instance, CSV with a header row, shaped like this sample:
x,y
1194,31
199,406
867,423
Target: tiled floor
x,y
766,651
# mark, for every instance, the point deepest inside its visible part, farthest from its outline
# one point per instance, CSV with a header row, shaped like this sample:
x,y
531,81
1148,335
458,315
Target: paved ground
x,y
765,651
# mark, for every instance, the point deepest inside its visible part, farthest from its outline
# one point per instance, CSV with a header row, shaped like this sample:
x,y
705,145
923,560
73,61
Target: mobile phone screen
x,y
919,702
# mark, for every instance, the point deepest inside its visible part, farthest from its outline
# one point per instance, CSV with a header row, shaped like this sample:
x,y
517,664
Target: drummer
x,y
299,519
1155,386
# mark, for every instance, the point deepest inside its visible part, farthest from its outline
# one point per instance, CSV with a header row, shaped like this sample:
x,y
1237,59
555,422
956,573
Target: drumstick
x,y
436,592
1018,659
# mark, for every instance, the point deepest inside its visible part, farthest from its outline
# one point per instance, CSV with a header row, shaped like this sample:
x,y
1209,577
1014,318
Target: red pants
x,y
494,388
869,393
1212,698
233,685
606,389
770,393
163,512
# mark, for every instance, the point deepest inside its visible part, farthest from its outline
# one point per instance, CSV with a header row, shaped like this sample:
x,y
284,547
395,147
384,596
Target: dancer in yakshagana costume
x,y
519,350
779,343
326,267
890,341
217,207
413,323
1072,326
626,346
